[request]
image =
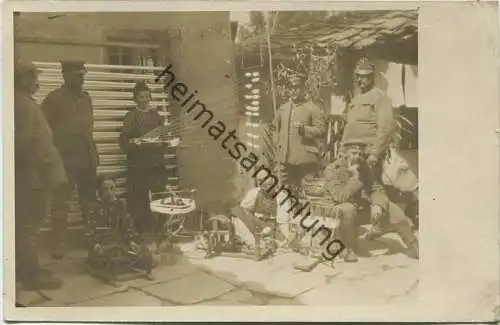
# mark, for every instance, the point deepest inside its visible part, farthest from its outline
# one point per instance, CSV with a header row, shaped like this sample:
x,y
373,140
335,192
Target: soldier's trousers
x,y
399,223
348,230
30,210
396,221
86,182
372,179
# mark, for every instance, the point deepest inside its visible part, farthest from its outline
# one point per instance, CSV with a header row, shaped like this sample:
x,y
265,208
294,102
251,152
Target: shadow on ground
x,y
187,278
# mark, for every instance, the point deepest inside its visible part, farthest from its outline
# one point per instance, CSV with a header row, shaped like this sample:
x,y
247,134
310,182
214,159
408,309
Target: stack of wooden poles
x,y
110,87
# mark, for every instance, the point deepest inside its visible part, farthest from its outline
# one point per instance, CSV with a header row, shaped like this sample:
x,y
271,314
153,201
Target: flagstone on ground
x,y
237,281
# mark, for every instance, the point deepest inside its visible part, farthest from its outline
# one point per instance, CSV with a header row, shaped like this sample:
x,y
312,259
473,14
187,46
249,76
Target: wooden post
x,y
269,53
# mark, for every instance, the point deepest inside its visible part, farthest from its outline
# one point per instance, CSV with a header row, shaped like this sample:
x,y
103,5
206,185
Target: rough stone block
x,y
275,276
49,303
341,293
283,302
165,274
29,298
392,283
129,298
79,288
241,297
190,289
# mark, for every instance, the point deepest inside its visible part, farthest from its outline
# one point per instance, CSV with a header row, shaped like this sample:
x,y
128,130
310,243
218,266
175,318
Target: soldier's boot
x,y
377,214
350,256
42,281
57,246
373,233
58,240
348,236
348,233
30,274
409,239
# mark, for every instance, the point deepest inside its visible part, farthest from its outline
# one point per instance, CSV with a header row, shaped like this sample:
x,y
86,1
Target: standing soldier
x,y
69,112
300,128
370,123
38,169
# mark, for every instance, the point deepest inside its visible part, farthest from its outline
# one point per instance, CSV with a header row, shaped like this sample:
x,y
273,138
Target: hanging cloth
x,y
411,85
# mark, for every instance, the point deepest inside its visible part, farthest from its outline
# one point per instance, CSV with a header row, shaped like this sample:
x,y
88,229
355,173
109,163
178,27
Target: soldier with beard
x,y
345,179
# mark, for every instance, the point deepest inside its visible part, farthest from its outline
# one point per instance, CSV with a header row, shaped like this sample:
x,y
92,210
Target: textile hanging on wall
x,y
411,85
389,80
337,105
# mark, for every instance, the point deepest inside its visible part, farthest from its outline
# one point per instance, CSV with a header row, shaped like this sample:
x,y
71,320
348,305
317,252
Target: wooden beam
x,y
55,41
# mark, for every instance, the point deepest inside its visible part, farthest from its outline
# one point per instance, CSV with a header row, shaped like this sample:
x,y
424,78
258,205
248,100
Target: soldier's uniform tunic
x,y
370,122
70,115
38,168
298,150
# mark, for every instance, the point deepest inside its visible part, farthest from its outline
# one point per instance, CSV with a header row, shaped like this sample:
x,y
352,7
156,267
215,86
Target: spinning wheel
x,y
173,210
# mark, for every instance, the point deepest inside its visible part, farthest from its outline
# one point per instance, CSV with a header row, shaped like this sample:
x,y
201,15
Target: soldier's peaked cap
x,y
73,66
364,67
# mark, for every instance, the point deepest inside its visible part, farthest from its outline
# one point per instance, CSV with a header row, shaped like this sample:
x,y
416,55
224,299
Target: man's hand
x,y
300,128
135,142
354,169
372,160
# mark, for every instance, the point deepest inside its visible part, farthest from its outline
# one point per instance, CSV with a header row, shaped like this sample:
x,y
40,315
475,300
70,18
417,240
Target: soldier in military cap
x,y
370,123
69,112
300,126
38,170
345,189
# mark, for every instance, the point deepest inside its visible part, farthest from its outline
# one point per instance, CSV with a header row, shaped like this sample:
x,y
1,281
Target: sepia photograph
x,y
216,158
275,167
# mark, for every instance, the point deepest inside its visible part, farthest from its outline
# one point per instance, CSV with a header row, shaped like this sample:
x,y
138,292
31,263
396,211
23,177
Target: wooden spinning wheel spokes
x,y
174,225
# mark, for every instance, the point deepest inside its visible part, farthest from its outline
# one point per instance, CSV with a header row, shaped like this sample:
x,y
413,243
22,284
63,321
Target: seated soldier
x,y
258,205
345,186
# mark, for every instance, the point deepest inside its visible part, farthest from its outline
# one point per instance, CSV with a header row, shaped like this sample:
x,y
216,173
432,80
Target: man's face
x,y
31,83
74,77
108,190
297,90
353,155
365,81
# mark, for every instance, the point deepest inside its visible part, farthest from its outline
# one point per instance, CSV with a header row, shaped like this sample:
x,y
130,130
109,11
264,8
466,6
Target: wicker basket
x,y
313,186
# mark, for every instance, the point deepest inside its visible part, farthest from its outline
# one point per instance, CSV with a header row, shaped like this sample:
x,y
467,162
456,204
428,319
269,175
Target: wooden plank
x,y
73,42
111,90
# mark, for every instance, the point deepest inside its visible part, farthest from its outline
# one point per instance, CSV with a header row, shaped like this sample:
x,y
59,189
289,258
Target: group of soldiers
x,y
353,180
54,152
